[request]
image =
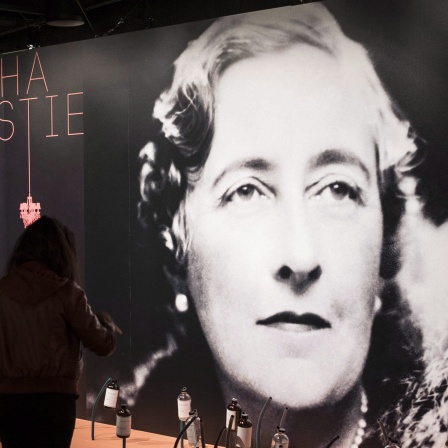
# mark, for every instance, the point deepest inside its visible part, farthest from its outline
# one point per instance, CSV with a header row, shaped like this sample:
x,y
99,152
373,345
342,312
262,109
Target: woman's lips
x,y
290,321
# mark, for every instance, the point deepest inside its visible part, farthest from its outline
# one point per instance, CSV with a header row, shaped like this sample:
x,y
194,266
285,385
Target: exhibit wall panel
x,y
42,138
74,121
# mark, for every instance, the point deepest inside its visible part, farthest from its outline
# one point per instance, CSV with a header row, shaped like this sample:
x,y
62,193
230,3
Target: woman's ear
x,y
393,206
174,254
168,238
174,268
178,283
378,300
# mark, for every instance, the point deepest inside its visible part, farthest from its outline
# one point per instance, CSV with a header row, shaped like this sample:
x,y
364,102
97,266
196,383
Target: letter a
x,y
36,57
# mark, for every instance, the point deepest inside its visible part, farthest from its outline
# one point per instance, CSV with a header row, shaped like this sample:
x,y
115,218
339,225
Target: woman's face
x,y
286,229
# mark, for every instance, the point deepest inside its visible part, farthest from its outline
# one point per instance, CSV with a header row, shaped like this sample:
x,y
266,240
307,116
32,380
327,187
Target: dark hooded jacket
x,y
43,321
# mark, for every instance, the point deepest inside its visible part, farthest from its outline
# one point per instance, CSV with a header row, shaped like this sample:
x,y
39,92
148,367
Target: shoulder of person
x,y
72,289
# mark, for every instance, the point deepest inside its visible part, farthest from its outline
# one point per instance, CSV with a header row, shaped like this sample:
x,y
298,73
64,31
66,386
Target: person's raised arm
x,y
96,332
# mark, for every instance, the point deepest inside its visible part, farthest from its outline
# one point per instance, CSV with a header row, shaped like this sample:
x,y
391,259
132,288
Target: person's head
x,y
50,242
279,154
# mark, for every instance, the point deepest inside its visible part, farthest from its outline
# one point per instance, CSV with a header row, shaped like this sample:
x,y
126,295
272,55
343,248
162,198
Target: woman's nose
x,y
299,280
298,265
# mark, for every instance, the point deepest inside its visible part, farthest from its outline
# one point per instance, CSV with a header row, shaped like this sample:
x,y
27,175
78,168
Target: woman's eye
x,y
244,193
340,191
337,199
336,194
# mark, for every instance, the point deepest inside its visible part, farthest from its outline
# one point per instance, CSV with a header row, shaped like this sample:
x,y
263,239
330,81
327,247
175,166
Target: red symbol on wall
x,y
29,210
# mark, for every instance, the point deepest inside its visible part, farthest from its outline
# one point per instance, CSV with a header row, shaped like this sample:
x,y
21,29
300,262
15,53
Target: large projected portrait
x,y
274,188
260,202
280,148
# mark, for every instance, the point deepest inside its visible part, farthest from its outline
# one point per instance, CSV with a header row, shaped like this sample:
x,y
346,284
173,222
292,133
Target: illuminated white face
x,y
286,229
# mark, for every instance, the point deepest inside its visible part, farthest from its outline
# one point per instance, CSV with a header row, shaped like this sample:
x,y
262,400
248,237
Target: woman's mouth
x,y
289,321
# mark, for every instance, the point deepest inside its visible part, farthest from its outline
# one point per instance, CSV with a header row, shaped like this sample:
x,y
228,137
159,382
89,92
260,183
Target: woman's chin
x,y
309,389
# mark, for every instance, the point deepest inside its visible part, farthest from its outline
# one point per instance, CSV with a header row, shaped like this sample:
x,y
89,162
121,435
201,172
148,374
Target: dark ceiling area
x,y
26,24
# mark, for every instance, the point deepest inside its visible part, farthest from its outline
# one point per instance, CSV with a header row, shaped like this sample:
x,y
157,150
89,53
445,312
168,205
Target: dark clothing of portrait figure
x,y
421,416
44,319
422,412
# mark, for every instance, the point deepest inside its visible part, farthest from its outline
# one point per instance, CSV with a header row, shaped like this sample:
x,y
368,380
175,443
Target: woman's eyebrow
x,y
257,164
338,156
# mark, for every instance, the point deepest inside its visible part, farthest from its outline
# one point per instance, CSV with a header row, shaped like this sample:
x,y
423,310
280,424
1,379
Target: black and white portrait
x,y
279,189
262,202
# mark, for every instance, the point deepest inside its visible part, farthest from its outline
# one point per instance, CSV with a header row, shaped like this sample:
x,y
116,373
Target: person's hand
x,y
106,319
116,329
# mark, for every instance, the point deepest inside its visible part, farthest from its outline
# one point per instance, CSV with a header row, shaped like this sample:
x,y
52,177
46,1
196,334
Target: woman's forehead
x,y
291,101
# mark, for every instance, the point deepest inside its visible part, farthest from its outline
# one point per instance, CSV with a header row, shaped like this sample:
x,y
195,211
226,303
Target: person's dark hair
x,y
50,242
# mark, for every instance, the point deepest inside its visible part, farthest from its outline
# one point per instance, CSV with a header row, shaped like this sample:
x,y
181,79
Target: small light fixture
x,y
66,21
29,210
33,37
64,13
